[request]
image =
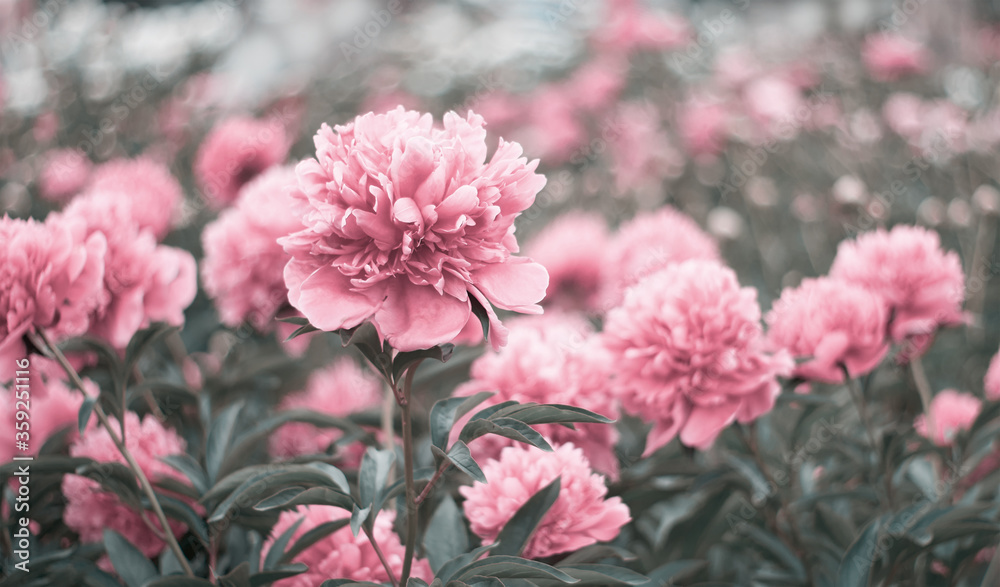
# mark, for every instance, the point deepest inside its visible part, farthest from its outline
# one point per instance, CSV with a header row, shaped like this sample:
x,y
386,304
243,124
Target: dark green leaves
x,y
446,412
856,567
446,536
130,564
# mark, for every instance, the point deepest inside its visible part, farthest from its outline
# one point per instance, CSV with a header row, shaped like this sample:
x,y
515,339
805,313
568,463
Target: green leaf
x,y
266,483
358,516
595,553
446,412
856,566
277,551
460,456
406,359
175,581
277,574
296,496
599,576
533,414
506,427
518,530
238,577
776,548
446,536
512,567
219,438
484,317
167,392
187,466
182,512
448,569
301,330
130,564
680,569
115,478
416,582
311,537
376,466
86,409
296,320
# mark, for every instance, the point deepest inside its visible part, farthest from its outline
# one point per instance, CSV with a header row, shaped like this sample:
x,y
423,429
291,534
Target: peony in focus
x,y
50,277
951,412
923,286
831,323
236,151
144,282
341,389
648,243
340,554
148,192
890,57
243,267
580,516
552,359
992,381
63,174
689,352
570,248
404,222
89,510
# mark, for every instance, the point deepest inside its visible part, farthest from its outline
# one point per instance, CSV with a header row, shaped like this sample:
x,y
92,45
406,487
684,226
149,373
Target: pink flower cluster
x,y
341,389
55,406
992,381
890,57
89,509
570,248
689,350
341,554
407,225
580,516
552,359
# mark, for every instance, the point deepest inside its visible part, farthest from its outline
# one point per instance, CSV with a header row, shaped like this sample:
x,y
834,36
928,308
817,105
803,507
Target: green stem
x,y
859,403
924,390
381,557
411,493
102,417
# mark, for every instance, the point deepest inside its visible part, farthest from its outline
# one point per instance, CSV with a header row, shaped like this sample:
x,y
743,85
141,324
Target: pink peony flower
x,y
690,355
343,555
703,125
951,413
597,83
551,360
64,173
648,243
341,389
54,407
236,151
641,153
832,323
628,27
145,188
50,278
580,516
902,112
405,221
143,282
554,132
774,103
570,248
890,57
992,381
89,510
243,268
923,285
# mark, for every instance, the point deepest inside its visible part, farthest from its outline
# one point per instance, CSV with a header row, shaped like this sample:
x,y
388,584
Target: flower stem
x,y
411,493
924,390
859,403
102,417
437,475
381,557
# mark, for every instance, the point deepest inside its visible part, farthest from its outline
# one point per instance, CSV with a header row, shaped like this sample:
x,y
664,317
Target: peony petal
x,y
327,299
517,284
705,423
417,317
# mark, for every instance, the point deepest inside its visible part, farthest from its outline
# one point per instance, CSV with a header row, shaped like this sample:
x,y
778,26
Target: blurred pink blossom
x,y
628,27
703,124
404,222
341,389
570,248
992,381
950,412
51,279
145,189
63,174
890,57
243,267
690,357
90,510
641,153
647,243
923,285
54,406
580,516
830,323
236,151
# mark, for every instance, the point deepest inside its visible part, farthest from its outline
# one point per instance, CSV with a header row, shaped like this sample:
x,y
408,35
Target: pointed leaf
x,y
446,536
446,412
130,564
460,456
518,530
